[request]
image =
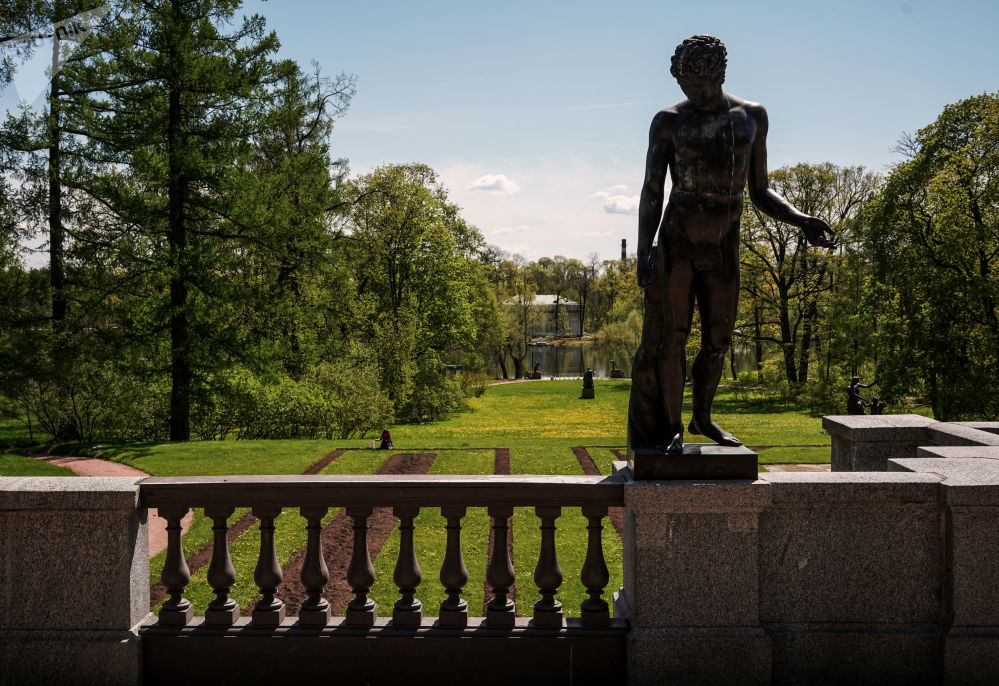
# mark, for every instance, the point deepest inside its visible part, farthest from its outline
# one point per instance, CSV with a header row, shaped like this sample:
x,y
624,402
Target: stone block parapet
x,y
74,580
805,577
864,443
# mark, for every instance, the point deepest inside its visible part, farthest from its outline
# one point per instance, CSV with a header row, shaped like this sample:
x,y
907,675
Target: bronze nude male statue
x,y
712,143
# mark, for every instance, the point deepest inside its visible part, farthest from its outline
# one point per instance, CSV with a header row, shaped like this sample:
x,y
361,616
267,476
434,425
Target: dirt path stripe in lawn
x,y
203,556
319,466
590,469
501,466
338,540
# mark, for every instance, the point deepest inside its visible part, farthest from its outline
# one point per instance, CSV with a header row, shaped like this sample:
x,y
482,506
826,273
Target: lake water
x,y
573,360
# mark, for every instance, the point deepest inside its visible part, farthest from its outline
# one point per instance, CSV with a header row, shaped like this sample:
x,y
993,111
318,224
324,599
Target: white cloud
x,y
614,202
496,184
621,204
555,203
510,229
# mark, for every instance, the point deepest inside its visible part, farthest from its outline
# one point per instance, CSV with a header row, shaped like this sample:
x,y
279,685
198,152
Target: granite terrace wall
x,y
74,580
795,578
812,578
865,443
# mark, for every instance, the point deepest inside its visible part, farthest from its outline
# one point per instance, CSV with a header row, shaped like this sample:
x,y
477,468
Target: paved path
x,y
89,466
797,467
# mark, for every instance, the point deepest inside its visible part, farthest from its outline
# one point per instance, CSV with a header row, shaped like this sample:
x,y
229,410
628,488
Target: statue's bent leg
x,y
645,410
717,298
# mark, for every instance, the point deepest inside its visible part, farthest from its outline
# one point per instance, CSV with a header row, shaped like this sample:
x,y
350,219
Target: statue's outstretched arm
x,y
769,202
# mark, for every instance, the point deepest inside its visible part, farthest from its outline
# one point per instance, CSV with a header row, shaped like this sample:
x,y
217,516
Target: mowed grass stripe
x,y
570,537
430,538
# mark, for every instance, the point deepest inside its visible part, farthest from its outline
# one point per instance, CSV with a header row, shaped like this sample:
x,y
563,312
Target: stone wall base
x,y
720,655
971,657
65,658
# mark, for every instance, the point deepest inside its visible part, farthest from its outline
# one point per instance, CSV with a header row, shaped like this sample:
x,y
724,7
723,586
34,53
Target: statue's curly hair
x,y
699,55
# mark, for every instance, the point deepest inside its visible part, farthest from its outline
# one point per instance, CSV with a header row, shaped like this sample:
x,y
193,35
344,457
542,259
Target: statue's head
x,y
701,56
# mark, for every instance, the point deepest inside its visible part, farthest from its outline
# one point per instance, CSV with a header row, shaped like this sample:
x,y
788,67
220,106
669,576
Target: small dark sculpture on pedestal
x,y
854,401
877,407
588,391
536,374
615,373
711,144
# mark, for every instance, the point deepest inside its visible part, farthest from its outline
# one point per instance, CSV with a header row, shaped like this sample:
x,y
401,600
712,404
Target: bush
x,y
435,394
474,384
332,401
98,401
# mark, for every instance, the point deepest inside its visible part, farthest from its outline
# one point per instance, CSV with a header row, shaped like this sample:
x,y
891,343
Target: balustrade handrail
x,y
423,490
313,495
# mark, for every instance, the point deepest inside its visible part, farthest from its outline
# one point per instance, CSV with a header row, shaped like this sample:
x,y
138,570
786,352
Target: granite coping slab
x,y
981,452
60,493
969,481
991,427
852,487
779,487
878,428
945,433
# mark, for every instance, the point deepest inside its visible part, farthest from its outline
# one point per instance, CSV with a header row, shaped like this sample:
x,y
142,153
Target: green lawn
x,y
16,465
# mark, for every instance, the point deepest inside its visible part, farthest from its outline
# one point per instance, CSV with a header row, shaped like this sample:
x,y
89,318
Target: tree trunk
x,y
501,360
787,342
57,264
180,368
759,341
806,343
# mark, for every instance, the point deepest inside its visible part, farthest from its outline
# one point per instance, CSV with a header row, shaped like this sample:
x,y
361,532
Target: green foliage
x,y
334,401
934,235
797,299
435,394
83,397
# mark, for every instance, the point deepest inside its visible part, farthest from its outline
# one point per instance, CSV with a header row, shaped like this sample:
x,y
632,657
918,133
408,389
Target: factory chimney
x,y
624,248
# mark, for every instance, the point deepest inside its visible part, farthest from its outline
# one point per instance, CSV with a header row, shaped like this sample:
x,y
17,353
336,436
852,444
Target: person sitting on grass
x,y
386,440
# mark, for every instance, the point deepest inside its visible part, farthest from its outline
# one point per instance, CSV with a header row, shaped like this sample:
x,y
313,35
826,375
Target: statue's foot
x,y
675,446
711,430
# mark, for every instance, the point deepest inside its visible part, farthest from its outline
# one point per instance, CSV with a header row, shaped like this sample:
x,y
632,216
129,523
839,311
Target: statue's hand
x,y
645,271
818,233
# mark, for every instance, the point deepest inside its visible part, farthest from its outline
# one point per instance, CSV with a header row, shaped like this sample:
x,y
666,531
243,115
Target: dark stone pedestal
x,y
588,394
698,461
617,374
533,375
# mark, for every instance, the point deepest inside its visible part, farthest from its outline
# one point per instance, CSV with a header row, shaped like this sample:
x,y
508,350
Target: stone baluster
x,y
548,573
268,611
176,610
501,612
594,611
223,611
315,610
361,611
408,611
454,574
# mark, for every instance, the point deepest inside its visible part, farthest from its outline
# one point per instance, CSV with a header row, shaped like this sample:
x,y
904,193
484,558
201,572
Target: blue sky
x,y
535,114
